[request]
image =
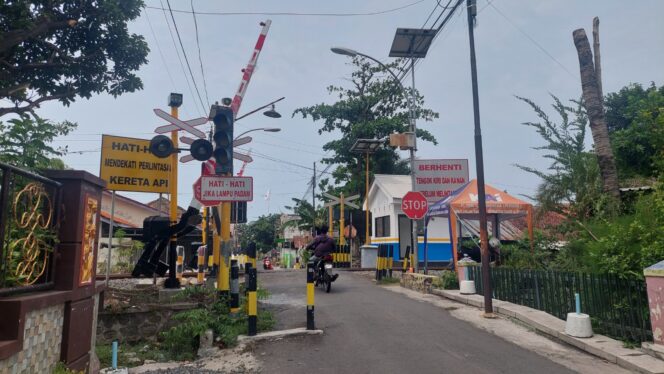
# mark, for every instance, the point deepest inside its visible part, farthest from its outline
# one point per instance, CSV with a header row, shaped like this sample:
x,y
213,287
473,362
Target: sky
x,y
523,48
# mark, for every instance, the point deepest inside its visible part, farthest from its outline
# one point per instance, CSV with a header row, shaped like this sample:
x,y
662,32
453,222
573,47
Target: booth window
x,y
382,226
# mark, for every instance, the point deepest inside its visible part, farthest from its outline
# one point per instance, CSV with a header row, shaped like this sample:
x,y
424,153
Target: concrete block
x,y
578,325
653,349
467,287
641,363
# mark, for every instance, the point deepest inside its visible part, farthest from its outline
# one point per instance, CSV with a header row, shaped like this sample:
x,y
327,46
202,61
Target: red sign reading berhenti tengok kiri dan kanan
x,y
437,179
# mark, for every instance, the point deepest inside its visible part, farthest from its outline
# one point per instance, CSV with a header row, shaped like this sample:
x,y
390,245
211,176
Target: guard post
x,y
310,296
252,303
200,275
235,287
180,262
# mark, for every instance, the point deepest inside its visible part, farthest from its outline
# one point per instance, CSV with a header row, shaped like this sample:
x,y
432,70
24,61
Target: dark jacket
x,y
322,245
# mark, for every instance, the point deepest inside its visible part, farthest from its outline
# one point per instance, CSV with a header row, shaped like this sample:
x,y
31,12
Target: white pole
x,y
110,237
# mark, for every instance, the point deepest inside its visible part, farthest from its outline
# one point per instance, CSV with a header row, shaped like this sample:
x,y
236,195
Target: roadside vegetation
x,y
600,233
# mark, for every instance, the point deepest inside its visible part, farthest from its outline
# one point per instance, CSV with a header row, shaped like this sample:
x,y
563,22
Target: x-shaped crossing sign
x,y
341,200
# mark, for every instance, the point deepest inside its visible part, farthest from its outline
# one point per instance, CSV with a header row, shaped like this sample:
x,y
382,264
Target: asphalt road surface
x,y
368,329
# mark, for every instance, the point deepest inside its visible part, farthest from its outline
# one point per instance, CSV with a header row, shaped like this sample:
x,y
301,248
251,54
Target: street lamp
x,y
266,129
412,43
368,147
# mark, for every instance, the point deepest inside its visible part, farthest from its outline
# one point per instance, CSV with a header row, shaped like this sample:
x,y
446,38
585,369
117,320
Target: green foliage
x,y
308,219
635,117
26,142
61,368
263,232
61,50
131,354
572,184
449,280
372,108
182,340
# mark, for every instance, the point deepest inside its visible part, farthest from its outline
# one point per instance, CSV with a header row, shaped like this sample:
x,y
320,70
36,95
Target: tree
x,y
372,108
307,218
573,185
262,231
635,117
64,49
26,142
593,102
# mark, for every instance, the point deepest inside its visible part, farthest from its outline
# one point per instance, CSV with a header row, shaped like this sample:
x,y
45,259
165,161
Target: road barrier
x,y
310,296
235,287
252,303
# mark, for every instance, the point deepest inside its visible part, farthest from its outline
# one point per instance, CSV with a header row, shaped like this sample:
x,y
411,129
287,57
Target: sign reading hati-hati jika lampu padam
x,y
128,165
437,179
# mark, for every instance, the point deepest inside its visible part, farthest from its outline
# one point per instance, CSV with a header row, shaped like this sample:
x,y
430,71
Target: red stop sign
x,y
414,205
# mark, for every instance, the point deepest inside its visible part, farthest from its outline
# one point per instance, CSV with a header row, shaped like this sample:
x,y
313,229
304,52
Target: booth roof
x,y
465,201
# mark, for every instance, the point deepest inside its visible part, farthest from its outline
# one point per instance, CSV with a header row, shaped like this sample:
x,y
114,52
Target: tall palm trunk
x,y
593,103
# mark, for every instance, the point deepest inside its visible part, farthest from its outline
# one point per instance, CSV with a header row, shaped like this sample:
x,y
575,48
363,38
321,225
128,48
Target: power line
x,y
532,40
177,52
184,53
163,60
294,13
200,60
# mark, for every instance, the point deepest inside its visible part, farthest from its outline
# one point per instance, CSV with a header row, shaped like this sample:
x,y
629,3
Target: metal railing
x,y
28,230
617,307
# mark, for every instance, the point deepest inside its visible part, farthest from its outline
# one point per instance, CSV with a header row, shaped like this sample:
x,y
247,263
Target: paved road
x,y
372,330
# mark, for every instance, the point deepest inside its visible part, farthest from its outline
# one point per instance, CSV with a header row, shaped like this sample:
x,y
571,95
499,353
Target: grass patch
x,y
133,354
447,281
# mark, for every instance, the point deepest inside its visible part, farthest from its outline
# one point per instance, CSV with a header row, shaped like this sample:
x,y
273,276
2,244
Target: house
x,y
391,227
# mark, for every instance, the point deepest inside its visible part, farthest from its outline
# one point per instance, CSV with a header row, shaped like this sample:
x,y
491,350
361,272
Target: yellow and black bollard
x,y
310,296
406,259
390,261
379,263
252,303
200,275
179,264
247,269
235,287
384,267
251,254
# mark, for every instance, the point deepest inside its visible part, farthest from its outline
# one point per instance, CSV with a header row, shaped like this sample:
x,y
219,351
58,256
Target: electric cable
x,y
200,60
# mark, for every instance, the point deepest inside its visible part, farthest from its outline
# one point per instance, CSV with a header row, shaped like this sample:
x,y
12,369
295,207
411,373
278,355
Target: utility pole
x,y
313,203
479,164
174,101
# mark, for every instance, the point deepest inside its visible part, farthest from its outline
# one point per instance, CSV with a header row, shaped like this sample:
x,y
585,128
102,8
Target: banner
x,y
437,179
128,165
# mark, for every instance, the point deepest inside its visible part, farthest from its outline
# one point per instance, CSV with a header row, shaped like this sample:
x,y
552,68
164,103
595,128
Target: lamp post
x,y
414,45
266,129
368,147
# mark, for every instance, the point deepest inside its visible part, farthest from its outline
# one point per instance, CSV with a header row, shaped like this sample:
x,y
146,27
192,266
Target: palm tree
x,y
593,102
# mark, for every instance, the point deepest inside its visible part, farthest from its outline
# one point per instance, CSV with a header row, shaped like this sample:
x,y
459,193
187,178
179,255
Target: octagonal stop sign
x,y
414,205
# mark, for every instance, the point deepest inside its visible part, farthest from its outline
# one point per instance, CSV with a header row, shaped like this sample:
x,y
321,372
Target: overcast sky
x,y
515,41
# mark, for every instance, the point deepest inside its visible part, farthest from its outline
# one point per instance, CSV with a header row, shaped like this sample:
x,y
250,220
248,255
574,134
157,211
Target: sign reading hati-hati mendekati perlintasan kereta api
x,y
128,165
211,190
437,179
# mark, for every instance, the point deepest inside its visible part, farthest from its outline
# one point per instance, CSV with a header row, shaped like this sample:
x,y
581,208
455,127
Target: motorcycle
x,y
325,274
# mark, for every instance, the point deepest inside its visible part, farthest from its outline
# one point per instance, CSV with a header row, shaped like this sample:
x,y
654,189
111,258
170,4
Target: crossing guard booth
x,y
462,206
391,228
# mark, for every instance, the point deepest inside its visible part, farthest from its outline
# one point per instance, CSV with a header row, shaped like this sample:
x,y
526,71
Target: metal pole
x,y
367,241
110,237
313,203
173,282
413,128
479,163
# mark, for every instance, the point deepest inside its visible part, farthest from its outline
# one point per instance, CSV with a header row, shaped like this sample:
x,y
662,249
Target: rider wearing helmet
x,y
322,245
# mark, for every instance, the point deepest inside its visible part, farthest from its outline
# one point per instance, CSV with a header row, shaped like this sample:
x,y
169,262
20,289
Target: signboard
x,y
437,179
128,165
414,205
212,190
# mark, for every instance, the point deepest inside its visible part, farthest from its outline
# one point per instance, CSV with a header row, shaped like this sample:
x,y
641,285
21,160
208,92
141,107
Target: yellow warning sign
x,y
128,165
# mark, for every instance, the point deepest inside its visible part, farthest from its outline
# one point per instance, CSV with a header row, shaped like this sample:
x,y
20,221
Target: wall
x,y
41,343
132,325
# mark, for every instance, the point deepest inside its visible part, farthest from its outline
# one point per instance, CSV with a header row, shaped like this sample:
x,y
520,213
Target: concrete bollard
x,y
179,264
235,287
200,275
467,287
252,303
310,296
578,324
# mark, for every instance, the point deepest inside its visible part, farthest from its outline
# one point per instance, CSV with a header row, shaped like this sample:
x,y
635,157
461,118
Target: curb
x,y
599,345
280,334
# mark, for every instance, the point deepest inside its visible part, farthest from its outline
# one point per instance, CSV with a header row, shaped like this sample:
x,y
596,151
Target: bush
x,y
447,281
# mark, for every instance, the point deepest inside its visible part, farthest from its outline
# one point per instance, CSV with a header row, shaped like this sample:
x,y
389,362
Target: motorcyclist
x,y
322,246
